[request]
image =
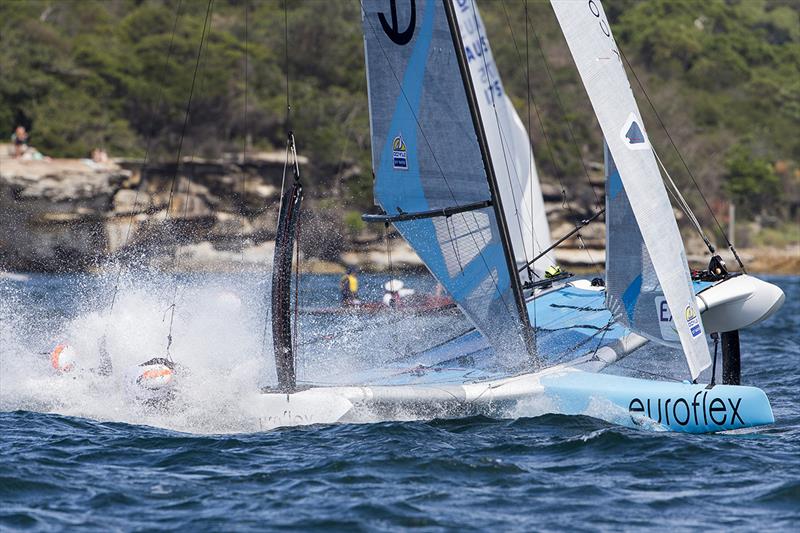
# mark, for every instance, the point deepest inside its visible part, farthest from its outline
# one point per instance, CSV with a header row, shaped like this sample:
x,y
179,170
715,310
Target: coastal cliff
x,y
61,215
74,214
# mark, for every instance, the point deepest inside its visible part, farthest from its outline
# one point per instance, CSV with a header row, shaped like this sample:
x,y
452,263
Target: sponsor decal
x,y
286,418
693,322
392,30
682,411
633,134
399,154
665,322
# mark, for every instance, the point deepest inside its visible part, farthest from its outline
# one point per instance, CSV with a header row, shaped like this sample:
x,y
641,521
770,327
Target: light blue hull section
x,y
574,333
658,405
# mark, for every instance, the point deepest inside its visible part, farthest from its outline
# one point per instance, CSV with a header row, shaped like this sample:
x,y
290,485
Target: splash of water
x,y
221,345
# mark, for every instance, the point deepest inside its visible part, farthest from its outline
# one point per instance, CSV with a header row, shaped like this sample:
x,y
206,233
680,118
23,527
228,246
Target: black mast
x,y
282,278
516,286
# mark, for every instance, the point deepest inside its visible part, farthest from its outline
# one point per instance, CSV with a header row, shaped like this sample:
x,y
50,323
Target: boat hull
x,y
631,402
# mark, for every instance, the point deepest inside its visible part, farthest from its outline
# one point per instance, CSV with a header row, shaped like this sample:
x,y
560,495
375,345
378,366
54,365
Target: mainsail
x,y
595,52
629,268
512,157
432,177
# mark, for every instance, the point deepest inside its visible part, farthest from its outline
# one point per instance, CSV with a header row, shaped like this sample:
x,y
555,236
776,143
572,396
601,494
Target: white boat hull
x,y
636,403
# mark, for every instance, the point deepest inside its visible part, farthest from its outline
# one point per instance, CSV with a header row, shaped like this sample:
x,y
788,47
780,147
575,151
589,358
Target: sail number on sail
x,y
599,15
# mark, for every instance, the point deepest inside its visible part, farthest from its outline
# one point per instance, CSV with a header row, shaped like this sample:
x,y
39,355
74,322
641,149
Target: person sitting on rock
x,y
20,140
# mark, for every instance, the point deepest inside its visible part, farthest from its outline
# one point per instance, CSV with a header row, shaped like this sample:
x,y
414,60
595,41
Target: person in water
x,y
348,287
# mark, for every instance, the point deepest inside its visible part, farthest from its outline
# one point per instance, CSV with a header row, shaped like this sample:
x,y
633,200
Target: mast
x,y
502,223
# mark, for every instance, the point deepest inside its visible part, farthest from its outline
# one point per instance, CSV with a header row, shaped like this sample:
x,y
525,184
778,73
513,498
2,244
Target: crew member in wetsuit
x,y
348,287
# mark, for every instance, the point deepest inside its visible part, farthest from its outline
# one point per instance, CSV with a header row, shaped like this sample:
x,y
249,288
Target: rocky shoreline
x,y
60,215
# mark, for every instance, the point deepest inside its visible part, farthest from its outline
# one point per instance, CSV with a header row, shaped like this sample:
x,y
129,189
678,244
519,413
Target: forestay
x,y
512,157
595,52
426,155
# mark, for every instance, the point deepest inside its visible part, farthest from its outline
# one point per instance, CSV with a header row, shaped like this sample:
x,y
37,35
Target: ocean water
x,y
75,453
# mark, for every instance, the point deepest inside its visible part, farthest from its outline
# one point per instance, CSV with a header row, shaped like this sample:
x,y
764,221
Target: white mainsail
x,y
512,156
599,63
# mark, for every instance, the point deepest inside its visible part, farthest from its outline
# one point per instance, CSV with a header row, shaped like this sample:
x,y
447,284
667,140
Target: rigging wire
x,y
531,162
558,171
286,63
203,40
243,208
530,148
151,135
188,110
564,113
681,201
502,139
683,161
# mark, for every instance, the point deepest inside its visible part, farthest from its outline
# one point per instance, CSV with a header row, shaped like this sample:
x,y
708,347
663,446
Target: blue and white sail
x,y
427,156
599,63
509,144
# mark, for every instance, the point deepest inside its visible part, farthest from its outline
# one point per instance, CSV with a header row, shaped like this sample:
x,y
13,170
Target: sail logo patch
x,y
399,154
693,322
392,30
633,134
665,322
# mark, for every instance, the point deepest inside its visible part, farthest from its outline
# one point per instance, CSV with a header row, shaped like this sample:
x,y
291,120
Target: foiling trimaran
x,y
454,174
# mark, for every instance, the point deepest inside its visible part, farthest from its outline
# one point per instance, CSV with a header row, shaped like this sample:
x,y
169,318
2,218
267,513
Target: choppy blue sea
x,y
75,456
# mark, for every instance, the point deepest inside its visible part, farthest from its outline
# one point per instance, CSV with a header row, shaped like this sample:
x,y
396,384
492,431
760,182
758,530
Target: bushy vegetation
x,y
724,75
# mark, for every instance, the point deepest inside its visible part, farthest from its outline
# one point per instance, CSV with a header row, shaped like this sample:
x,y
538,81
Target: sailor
x,y
65,358
394,292
151,384
552,272
348,288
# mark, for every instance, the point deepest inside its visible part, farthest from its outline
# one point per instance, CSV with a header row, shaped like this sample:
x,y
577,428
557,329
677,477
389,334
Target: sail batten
x,y
595,52
428,156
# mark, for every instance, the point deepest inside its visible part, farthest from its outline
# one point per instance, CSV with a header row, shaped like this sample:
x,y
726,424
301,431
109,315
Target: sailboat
x,y
455,176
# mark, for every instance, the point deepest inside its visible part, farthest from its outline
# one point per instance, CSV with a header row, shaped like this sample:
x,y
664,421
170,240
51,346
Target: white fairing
x,y
739,302
312,406
509,145
599,63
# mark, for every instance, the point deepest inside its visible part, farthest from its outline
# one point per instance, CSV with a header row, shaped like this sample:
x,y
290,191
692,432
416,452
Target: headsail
x,y
427,156
595,52
512,156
